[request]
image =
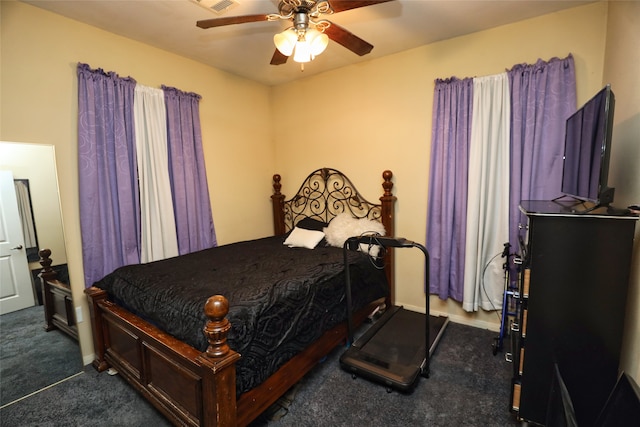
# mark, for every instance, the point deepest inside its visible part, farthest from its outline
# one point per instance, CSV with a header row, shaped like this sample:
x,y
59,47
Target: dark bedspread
x,y
281,299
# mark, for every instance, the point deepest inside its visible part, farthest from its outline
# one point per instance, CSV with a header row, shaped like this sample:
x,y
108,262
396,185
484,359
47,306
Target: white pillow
x,y
302,238
344,226
340,229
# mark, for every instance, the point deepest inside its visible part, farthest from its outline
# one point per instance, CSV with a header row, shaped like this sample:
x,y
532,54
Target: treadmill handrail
x,y
386,241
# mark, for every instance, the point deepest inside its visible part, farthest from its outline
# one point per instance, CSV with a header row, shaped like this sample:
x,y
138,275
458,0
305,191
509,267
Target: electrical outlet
x,y
78,314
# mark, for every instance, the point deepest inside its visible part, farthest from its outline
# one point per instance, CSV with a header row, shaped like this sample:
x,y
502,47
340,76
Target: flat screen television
x,y
587,150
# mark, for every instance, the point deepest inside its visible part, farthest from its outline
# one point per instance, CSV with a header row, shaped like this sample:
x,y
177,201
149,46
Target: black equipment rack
x,y
393,350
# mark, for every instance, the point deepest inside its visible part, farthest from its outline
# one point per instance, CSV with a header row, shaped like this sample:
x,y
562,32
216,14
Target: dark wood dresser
x,y
572,300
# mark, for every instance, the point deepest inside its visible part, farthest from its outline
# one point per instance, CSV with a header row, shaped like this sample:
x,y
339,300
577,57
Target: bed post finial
x,y
218,326
276,184
388,200
45,260
387,185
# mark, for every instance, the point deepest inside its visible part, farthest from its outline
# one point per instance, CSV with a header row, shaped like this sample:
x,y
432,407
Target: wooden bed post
x,y
95,296
388,201
219,381
277,199
46,274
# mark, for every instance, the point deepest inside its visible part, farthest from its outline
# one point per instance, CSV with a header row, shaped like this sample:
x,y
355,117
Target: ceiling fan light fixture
x,y
317,40
302,52
304,46
286,41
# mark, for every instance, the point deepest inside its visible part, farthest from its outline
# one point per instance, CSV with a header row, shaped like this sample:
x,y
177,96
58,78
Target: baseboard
x,y
465,321
88,360
495,327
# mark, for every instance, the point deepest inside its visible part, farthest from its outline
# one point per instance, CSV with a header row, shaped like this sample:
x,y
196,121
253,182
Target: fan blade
x,y
219,22
348,39
341,5
278,58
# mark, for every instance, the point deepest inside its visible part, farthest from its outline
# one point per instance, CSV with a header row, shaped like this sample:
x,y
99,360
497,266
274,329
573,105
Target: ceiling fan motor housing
x,y
301,21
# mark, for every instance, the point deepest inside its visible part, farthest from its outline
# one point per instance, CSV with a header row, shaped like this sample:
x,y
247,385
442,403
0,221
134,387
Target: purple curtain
x,y
107,176
543,96
192,207
447,208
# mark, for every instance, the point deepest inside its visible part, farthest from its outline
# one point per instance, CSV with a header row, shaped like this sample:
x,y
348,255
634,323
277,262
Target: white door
x,y
16,289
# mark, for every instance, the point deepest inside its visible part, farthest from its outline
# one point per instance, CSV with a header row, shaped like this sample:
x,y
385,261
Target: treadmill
x,y
393,351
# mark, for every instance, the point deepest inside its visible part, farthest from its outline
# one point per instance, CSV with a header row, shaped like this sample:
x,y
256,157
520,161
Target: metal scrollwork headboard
x,y
326,193
323,195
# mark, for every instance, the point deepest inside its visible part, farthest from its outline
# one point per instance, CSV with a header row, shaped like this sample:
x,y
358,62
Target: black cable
x,y
382,251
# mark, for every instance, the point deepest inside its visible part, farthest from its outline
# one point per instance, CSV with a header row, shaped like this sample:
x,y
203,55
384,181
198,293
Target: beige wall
x,y
366,118
377,116
40,51
621,69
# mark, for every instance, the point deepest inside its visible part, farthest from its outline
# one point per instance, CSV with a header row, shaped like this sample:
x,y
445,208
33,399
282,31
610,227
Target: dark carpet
x,y
468,386
30,357
89,399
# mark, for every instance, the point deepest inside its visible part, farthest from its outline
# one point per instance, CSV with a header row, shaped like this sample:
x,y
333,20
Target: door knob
x,y
17,248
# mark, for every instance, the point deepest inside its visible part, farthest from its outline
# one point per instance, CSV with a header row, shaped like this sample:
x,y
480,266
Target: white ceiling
x,y
246,49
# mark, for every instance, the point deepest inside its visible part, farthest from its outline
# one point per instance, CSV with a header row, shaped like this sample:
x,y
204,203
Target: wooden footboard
x,y
189,387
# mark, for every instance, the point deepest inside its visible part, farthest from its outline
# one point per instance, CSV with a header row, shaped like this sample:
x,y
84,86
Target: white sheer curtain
x,y
488,193
158,229
24,208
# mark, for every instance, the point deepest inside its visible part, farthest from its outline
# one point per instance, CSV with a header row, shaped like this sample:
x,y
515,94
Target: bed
x,y
247,351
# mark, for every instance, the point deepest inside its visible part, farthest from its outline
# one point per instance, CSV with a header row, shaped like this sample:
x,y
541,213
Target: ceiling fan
x,y
309,34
